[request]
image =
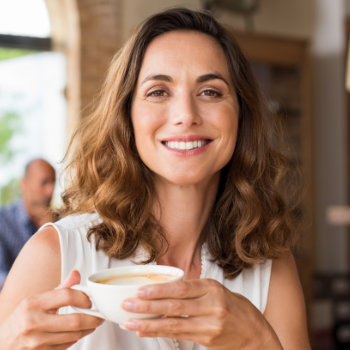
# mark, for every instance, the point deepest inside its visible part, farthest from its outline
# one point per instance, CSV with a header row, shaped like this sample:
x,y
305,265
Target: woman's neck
x,y
183,212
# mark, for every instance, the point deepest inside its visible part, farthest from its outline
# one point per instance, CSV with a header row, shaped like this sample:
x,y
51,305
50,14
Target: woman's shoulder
x,y
75,221
286,309
36,269
284,275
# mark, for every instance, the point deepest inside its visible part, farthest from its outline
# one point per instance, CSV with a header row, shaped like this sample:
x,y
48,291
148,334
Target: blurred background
x,y
53,58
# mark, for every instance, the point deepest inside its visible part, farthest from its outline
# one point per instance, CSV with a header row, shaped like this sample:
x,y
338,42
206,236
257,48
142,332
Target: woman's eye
x,y
211,93
157,93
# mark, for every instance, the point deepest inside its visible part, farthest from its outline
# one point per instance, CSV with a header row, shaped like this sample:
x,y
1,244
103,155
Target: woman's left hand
x,y
202,311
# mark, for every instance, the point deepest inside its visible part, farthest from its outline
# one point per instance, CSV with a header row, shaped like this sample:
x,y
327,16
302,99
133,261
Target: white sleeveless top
x,y
78,253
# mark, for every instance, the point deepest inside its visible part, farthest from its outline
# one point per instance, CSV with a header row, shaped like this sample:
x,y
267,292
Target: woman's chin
x,y
186,180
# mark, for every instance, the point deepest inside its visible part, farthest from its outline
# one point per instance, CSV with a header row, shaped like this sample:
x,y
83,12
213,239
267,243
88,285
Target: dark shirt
x,y
15,229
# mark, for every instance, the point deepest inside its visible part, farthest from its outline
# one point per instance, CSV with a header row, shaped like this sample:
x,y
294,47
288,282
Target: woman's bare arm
x,y
36,269
30,300
285,310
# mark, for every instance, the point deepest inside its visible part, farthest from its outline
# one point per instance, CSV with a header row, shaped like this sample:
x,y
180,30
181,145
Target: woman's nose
x,y
185,111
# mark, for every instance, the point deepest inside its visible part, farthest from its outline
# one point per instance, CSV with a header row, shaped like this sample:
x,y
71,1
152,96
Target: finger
x,y
185,336
69,322
62,346
72,279
169,307
55,340
40,322
157,326
192,328
56,299
66,337
180,289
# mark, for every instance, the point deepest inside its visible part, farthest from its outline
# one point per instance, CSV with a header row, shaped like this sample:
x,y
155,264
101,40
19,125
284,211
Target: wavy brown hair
x,y
249,221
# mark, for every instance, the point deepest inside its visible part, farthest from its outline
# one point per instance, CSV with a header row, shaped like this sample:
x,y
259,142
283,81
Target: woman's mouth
x,y
186,145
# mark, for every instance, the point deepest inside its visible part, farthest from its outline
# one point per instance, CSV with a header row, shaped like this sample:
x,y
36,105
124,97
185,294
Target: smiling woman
x,y
173,167
185,116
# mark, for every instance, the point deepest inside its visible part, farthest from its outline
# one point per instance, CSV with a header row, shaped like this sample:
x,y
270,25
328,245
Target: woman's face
x,y
185,110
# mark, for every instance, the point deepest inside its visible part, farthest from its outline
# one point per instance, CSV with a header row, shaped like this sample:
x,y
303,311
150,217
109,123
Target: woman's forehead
x,y
176,51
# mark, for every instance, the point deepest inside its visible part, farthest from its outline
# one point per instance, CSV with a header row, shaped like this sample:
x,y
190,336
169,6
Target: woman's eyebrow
x,y
201,79
162,77
211,76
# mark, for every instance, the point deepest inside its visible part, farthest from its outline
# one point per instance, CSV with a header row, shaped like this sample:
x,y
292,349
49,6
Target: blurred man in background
x,y
20,220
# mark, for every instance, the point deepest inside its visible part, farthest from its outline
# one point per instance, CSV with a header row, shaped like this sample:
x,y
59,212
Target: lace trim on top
x,y
204,269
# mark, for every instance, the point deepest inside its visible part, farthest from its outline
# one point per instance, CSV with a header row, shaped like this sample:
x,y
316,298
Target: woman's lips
x,y
185,145
189,145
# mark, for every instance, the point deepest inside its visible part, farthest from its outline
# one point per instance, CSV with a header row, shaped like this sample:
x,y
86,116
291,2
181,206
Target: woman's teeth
x,y
188,145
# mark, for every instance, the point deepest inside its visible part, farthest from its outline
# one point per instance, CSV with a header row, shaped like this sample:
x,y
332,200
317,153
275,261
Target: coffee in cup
x,y
136,278
110,287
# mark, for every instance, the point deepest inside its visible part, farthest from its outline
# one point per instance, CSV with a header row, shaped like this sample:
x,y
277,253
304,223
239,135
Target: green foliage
x,y
9,126
10,191
6,53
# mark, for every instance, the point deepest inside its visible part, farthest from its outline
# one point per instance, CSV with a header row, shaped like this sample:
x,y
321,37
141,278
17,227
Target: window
x,y
32,83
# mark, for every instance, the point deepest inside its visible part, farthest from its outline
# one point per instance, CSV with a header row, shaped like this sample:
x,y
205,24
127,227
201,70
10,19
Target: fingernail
x,y
142,293
129,305
131,325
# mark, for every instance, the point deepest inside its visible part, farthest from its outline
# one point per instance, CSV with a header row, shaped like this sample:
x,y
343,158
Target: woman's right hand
x,y
36,324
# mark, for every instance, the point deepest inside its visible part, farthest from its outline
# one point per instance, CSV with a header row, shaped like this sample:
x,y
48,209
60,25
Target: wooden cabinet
x,y
281,66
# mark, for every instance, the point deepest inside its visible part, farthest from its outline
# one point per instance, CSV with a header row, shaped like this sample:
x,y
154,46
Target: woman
x,y
173,167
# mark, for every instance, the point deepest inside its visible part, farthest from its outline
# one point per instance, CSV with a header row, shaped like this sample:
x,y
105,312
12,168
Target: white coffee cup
x,y
109,288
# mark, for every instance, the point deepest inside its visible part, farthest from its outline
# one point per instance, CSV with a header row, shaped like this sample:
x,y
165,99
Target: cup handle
x,y
92,311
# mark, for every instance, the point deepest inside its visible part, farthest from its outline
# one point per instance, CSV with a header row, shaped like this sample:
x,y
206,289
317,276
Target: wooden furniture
x,y
281,66
347,58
